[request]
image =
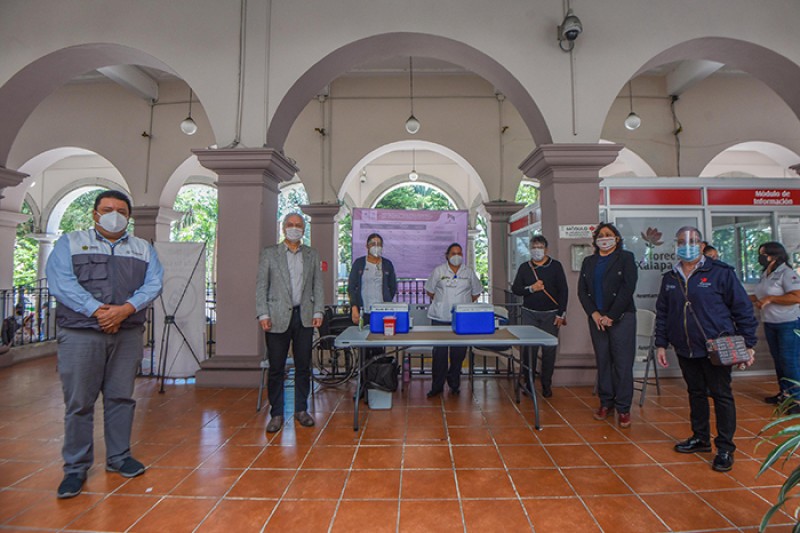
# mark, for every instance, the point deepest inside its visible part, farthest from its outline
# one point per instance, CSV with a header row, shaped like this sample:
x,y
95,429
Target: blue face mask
x,y
687,252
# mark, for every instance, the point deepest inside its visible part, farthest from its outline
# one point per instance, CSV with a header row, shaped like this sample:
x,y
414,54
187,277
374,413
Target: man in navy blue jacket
x,y
708,290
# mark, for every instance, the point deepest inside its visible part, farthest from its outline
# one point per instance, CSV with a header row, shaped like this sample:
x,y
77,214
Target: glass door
x,y
737,238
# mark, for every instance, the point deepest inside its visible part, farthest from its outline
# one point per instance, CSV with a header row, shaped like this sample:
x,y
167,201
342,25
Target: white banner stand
x,y
179,314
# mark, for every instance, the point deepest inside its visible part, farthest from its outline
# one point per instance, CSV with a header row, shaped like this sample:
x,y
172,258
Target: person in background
x,y
289,305
449,284
372,280
543,286
711,252
702,299
605,288
103,279
778,296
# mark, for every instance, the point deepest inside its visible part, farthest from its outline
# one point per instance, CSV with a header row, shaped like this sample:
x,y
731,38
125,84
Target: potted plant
x,y
788,442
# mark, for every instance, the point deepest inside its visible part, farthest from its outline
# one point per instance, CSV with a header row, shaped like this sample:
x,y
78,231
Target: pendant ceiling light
x,y
189,126
413,176
632,121
412,124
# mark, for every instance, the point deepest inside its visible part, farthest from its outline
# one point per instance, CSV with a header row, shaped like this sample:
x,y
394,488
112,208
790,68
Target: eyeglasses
x,y
374,243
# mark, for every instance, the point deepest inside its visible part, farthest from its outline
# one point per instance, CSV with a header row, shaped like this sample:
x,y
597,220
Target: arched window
x,y
26,252
289,201
198,203
527,193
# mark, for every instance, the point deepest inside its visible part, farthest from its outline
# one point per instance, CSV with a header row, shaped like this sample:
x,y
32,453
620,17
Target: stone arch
x,y
35,82
781,155
462,162
775,70
383,46
627,161
54,212
188,172
399,181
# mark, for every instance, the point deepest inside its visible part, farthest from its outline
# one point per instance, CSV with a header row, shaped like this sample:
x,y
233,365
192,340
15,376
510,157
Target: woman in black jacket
x,y
605,288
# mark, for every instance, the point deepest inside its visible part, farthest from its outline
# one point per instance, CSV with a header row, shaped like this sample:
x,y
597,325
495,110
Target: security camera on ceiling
x,y
569,30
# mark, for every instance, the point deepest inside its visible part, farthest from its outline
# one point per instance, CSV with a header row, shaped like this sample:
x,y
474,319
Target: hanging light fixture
x,y
413,176
189,126
632,121
412,124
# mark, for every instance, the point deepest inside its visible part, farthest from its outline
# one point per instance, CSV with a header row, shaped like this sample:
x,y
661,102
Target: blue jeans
x,y
784,346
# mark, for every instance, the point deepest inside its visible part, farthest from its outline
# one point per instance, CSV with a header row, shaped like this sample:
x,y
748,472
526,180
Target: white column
x,y
9,220
46,241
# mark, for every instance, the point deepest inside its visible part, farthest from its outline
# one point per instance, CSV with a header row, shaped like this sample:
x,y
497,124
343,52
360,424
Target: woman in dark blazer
x,y
605,289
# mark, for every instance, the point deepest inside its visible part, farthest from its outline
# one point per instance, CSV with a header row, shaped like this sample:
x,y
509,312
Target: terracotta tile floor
x,y
467,463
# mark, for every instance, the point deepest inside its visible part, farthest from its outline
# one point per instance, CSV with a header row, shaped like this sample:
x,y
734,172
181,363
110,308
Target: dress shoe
x,y
603,412
456,391
547,392
304,419
775,400
624,420
433,393
723,461
275,424
692,445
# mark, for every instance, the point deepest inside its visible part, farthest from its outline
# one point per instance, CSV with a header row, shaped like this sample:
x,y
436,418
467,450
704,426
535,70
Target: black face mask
x,y
763,260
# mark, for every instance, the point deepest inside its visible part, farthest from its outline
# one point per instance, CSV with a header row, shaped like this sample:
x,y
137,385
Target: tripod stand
x,y
170,323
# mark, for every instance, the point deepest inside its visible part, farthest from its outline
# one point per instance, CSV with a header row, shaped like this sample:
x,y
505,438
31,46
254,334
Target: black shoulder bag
x,y
725,350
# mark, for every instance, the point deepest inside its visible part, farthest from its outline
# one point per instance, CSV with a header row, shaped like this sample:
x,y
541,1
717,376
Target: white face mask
x,y
294,234
456,260
375,251
537,254
606,243
113,222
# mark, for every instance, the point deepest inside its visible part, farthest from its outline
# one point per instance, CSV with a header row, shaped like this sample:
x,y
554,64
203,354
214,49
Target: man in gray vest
x,y
103,279
289,305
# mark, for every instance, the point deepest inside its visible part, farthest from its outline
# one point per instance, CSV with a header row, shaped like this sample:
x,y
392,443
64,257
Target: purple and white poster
x,y
414,241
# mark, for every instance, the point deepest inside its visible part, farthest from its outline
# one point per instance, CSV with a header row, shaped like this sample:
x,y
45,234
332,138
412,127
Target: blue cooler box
x,y
473,319
378,311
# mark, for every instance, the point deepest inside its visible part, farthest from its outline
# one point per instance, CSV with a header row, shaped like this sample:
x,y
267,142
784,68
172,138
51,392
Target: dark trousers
x,y
615,351
277,350
544,321
784,346
440,370
701,378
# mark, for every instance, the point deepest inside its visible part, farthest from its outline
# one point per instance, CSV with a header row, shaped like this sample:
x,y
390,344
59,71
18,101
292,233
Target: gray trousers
x,y
90,362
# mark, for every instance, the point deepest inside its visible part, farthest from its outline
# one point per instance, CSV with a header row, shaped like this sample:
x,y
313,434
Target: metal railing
x,y
28,315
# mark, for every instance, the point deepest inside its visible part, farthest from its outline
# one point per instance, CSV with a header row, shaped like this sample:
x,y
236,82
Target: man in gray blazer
x,y
289,305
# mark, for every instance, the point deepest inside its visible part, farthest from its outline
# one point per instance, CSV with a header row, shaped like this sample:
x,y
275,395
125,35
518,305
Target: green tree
x,y
26,251
527,194
198,222
417,196
78,215
482,250
346,240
